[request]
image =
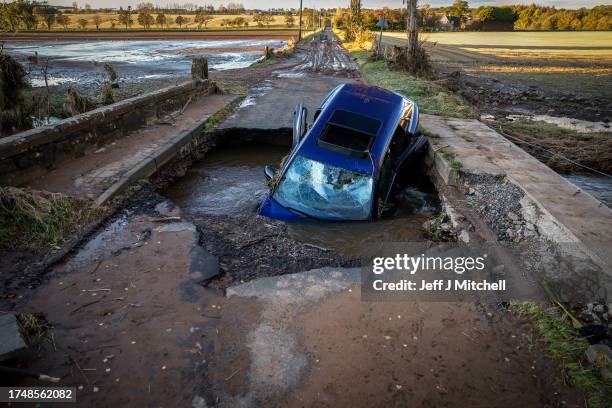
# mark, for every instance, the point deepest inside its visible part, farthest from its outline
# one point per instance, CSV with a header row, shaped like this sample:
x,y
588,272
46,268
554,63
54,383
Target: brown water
x,y
231,182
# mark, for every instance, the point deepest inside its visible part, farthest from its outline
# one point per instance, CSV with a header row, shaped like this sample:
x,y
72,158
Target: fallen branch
x,y
84,306
233,374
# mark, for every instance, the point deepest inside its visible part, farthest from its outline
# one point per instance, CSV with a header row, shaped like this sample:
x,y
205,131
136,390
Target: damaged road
x,y
192,300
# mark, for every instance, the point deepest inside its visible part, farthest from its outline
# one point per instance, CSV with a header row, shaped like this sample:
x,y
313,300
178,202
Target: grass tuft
x,y
567,348
34,220
220,116
34,328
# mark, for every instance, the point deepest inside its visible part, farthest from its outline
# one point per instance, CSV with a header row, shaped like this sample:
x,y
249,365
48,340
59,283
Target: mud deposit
x,y
221,194
128,312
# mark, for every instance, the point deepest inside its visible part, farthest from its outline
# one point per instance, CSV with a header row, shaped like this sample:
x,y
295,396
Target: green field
x,y
565,39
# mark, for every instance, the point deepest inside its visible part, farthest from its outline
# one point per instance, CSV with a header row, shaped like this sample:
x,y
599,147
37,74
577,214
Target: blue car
x,y
347,165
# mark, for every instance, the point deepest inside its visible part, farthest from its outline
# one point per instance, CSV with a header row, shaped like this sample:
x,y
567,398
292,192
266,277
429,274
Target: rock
x,y
512,216
599,309
510,233
198,402
11,343
445,227
597,354
471,191
529,234
464,236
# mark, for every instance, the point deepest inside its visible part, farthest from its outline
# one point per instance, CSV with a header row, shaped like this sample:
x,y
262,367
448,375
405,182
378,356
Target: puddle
x,y
599,187
288,74
229,181
254,93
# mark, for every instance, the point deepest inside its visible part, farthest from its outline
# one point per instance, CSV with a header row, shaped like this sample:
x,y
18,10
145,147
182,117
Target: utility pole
x,y
300,29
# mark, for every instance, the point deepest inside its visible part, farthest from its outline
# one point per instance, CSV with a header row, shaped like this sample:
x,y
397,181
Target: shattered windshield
x,y
325,191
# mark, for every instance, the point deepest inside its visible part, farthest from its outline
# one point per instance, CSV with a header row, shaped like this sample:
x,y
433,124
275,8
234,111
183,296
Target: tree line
x,y
531,17
31,15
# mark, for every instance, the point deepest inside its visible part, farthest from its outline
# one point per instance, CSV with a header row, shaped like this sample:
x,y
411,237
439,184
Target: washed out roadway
x,y
129,311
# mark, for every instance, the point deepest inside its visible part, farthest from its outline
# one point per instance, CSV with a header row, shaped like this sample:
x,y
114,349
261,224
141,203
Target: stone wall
x,y
29,154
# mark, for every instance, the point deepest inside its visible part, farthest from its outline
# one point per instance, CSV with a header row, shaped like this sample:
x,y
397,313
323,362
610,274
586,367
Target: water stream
x,y
230,181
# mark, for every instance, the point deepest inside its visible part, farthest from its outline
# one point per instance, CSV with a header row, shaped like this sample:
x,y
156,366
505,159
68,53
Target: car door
x,y
300,114
403,148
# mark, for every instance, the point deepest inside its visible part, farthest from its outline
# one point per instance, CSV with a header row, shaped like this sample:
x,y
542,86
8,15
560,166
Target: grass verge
x,y
567,349
431,97
220,116
33,220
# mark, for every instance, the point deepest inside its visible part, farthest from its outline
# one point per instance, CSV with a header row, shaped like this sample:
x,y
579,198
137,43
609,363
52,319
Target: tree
x,y
289,19
82,23
459,8
46,14
339,18
258,19
62,19
160,20
75,7
203,19
97,20
180,20
268,19
125,17
354,21
145,16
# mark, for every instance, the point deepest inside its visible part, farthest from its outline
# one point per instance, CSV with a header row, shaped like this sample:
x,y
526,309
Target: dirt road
x,y
319,65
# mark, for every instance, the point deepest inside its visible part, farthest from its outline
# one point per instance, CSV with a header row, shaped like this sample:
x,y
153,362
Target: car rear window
x,y
349,133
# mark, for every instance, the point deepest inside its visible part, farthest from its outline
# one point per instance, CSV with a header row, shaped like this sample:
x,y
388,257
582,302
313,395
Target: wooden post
x,y
412,27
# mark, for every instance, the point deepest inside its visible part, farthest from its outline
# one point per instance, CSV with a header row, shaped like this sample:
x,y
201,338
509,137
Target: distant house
x,y
450,23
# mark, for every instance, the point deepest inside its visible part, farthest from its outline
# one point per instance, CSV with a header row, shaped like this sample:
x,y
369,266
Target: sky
x,y
264,4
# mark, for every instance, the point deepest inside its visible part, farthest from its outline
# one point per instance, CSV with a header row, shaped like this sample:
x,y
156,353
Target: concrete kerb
x,y
156,160
551,227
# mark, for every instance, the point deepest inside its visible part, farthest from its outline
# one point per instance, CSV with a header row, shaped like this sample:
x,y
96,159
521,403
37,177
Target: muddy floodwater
x,y
599,187
230,181
82,63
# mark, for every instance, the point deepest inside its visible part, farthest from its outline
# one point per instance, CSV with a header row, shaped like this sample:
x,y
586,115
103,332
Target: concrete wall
x,y
28,154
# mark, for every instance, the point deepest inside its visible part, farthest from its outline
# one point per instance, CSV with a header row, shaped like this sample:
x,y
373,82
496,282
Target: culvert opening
x,y
221,192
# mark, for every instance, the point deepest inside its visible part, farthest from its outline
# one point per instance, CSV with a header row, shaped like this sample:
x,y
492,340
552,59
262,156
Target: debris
x,y
84,306
164,219
234,373
78,103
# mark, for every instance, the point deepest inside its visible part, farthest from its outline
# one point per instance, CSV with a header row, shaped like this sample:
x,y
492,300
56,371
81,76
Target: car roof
x,y
381,105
